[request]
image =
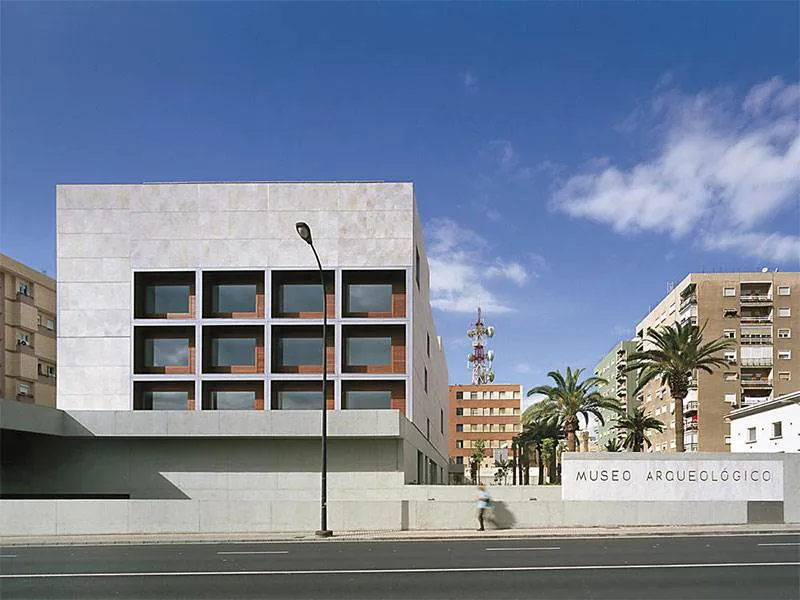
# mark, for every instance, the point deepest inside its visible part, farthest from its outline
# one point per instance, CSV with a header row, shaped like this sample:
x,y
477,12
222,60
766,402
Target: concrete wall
x,y
787,415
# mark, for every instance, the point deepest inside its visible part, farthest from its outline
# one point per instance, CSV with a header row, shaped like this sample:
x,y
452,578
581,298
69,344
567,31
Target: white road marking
x,y
782,544
391,571
511,549
260,552
8,556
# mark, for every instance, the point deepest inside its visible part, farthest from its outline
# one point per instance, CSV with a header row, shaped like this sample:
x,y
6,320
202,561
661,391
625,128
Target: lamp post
x,y
304,231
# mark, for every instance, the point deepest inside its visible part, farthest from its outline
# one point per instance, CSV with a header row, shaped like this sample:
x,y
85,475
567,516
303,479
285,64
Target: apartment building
x,y
759,312
28,334
489,412
620,385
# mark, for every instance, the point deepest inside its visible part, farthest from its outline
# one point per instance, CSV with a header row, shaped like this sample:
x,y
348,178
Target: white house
x,y
772,426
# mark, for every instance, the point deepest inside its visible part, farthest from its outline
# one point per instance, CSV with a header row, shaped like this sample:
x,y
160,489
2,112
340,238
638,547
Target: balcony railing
x,y
690,406
756,340
757,383
753,400
690,447
756,319
751,298
757,362
687,303
690,425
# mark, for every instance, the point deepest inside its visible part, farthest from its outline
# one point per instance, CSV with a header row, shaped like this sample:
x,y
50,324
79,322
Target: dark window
x,y
364,351
441,421
162,299
459,427
299,400
231,400
428,428
300,297
166,400
166,352
428,343
417,266
459,460
233,297
459,412
361,399
369,297
426,380
233,351
459,395
297,351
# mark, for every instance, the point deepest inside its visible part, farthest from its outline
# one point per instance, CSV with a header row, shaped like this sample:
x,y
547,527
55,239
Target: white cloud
x,y
717,168
469,80
504,154
523,368
461,272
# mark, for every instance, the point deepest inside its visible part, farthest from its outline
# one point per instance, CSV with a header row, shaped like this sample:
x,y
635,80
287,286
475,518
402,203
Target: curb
x,y
396,536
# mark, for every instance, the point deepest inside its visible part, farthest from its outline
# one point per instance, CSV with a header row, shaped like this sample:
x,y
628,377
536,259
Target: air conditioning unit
x,y
22,342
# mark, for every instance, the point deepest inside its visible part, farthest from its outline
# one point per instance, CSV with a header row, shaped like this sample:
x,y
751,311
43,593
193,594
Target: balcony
x,y
756,318
690,425
690,406
690,447
753,400
756,362
756,382
756,340
687,303
750,298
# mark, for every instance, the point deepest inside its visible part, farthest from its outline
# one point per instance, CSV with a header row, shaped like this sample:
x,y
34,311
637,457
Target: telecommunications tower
x,y
480,359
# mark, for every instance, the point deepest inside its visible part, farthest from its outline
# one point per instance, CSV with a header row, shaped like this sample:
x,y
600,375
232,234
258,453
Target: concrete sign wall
x,y
663,480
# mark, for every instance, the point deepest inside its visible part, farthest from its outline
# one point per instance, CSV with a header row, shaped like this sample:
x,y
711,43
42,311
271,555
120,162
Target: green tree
x,y
613,445
536,429
677,352
501,475
635,426
476,458
549,450
570,397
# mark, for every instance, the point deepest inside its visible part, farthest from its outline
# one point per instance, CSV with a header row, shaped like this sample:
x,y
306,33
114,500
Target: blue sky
x,y
570,159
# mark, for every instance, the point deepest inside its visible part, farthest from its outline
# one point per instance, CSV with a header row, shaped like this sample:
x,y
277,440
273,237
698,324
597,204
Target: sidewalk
x,y
458,534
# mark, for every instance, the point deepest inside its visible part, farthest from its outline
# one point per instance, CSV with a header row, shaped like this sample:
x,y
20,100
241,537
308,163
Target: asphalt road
x,y
726,567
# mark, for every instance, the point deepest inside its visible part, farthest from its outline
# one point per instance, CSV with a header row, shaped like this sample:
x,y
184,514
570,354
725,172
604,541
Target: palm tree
x,y
502,467
535,430
678,351
476,459
635,426
570,397
613,445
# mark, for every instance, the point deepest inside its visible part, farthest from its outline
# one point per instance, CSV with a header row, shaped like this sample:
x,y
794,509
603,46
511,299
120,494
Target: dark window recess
x,y
459,412
459,427
441,421
358,399
299,400
428,343
365,351
428,428
417,266
369,298
459,460
163,295
426,380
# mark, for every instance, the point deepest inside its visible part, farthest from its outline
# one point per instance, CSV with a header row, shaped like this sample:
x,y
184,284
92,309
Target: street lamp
x,y
304,231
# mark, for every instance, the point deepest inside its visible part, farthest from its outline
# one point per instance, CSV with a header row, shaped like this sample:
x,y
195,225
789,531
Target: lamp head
x,y
304,231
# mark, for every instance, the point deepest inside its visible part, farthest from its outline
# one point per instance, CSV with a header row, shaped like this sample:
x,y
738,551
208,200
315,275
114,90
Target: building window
x,y
751,435
164,349
459,412
784,333
459,427
417,264
729,312
730,356
459,459
425,382
784,376
237,395
369,298
784,291
164,295
428,343
367,400
441,421
459,395
427,429
729,333
164,396
50,324
784,312
234,294
374,293
300,298
729,292
459,444
233,349
23,340
784,354
777,430
730,398
24,389
299,400
473,395
731,376
366,351
23,288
